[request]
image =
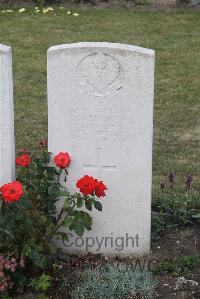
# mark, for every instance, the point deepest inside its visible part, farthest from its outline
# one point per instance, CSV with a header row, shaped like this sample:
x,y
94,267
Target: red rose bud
x,y
87,185
43,143
100,189
12,192
23,150
62,160
23,160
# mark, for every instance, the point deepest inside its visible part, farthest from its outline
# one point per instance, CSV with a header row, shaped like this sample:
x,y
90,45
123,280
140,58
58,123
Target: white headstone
x,y
100,98
7,145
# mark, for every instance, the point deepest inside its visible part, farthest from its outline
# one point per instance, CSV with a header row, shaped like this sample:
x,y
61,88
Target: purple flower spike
x,y
171,177
189,181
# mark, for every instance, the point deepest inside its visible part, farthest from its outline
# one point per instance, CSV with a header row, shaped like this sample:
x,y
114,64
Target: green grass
x,y
175,37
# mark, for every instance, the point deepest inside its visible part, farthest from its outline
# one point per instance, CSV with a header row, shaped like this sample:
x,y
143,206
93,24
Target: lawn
x,y
175,37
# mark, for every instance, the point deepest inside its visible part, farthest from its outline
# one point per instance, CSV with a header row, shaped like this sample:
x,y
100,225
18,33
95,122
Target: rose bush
x,y
28,216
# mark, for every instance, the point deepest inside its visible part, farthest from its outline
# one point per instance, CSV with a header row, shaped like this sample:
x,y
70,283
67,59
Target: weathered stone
x,y
7,145
100,98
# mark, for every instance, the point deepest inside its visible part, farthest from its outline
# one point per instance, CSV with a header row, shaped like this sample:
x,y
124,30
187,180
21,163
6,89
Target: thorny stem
x,y
59,175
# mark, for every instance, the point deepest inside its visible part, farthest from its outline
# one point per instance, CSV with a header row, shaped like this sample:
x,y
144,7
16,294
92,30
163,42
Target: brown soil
x,y
173,244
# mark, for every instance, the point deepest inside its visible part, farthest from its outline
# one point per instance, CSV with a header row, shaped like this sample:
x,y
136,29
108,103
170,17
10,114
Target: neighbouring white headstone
x,y
7,145
100,98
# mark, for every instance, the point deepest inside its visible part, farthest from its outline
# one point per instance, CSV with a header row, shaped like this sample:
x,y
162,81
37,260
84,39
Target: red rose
x,y
90,186
100,189
23,160
87,185
62,160
12,192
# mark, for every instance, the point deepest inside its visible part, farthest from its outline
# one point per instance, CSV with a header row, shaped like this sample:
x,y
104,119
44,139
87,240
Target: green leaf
x,y
63,236
67,222
64,193
80,202
78,228
66,203
51,171
44,282
25,201
88,205
54,191
98,205
87,220
38,259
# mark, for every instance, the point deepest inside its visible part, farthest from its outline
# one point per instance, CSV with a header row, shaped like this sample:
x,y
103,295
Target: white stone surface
x,y
100,98
7,145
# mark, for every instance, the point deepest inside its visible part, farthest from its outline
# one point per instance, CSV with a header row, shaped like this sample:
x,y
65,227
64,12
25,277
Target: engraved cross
x,y
99,166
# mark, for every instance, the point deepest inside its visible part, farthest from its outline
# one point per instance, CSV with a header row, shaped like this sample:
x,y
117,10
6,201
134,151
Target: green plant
x,y
28,214
41,283
5,296
110,282
179,266
174,205
158,225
